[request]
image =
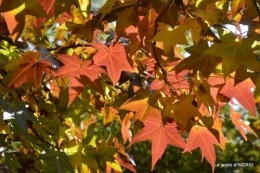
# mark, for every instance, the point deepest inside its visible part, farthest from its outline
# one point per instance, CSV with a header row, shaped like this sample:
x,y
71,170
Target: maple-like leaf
x,y
171,36
235,118
114,58
160,136
58,158
198,60
181,110
81,73
241,92
139,105
211,14
28,68
233,52
16,110
201,137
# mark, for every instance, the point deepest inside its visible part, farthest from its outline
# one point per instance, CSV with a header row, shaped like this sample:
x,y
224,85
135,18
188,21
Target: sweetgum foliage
x,y
82,82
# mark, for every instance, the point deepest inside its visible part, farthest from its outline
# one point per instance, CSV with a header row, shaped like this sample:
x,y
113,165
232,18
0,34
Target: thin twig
x,y
165,75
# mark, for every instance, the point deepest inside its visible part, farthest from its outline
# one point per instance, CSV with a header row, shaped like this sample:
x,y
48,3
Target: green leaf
x,y
106,8
3,143
11,162
16,110
234,52
60,160
62,6
171,36
198,60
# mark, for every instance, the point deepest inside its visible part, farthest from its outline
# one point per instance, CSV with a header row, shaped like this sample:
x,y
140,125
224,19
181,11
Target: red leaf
x,y
201,137
160,136
156,84
81,73
48,6
235,118
241,92
114,58
28,68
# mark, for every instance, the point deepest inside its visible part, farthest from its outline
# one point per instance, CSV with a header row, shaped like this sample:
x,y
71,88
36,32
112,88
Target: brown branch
x,y
257,8
165,75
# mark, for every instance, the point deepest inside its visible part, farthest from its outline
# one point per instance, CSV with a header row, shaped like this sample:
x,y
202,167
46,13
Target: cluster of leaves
x,y
75,83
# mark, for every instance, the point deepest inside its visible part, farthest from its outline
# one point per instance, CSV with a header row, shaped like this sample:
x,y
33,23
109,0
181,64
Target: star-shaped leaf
x,y
27,68
171,36
233,52
160,136
211,14
59,159
181,110
198,60
201,137
114,58
16,110
81,73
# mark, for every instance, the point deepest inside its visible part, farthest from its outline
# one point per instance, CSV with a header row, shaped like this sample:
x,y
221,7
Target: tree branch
x,y
165,75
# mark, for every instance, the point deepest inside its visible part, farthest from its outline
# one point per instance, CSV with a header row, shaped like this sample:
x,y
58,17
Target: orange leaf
x,y
235,118
125,126
109,114
242,92
160,136
114,58
201,137
218,126
28,68
181,110
139,104
81,73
